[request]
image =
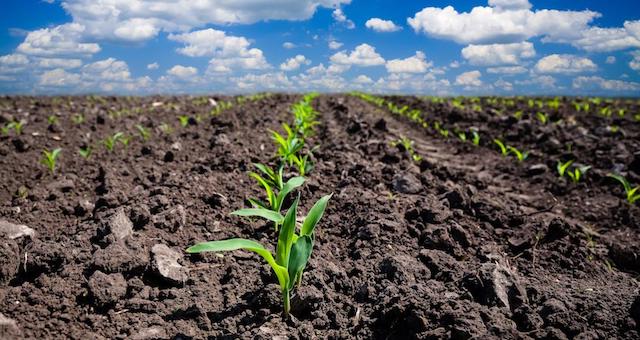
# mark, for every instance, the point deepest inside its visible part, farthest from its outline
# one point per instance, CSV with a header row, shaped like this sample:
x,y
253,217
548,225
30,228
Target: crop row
x,y
570,168
294,240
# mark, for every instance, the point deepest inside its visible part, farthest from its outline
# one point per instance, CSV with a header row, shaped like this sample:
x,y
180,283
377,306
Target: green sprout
x,y
271,209
407,145
633,194
462,136
16,126
166,128
542,117
521,156
184,120
518,115
503,148
144,133
52,120
287,147
78,118
49,158
562,167
5,129
124,140
292,252
302,163
577,173
476,138
110,142
85,152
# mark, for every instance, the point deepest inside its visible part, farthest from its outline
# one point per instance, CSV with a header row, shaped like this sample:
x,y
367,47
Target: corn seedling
x,y
124,140
562,167
271,209
52,120
166,128
521,156
184,121
292,252
77,118
49,158
110,142
85,152
144,133
288,147
578,173
633,194
476,138
407,145
503,148
302,163
518,115
16,126
542,117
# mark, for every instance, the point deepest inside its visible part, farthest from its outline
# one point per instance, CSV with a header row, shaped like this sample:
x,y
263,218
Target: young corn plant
x,y
503,148
110,142
302,163
577,173
85,152
77,119
476,137
521,156
17,126
271,209
407,145
563,167
144,132
633,193
184,120
49,159
542,117
288,147
52,120
292,252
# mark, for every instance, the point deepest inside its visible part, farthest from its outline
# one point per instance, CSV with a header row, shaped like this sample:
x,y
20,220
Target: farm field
x,y
466,217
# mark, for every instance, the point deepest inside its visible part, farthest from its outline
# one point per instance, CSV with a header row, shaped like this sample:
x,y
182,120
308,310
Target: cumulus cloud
x,y
486,25
153,66
362,79
611,60
363,55
334,45
634,64
183,72
510,4
14,60
380,25
597,39
58,63
294,63
228,52
108,69
339,16
599,83
288,45
60,40
59,78
564,63
143,19
471,78
416,64
498,54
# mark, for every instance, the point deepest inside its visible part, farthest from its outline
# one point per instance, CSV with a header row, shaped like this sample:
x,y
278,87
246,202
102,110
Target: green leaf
x,y
291,184
266,170
270,215
623,181
240,243
287,232
314,215
267,188
300,254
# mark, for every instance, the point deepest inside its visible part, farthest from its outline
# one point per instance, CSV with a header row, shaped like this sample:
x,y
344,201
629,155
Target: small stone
x,y
406,184
13,231
107,289
537,169
8,328
172,219
120,225
165,262
63,185
150,333
118,258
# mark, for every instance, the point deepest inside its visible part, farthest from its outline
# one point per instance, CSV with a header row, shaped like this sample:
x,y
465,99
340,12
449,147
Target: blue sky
x,y
503,47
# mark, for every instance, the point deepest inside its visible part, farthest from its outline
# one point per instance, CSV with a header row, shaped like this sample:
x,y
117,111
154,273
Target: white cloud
x,y
59,78
546,82
143,19
507,70
14,60
599,83
339,16
294,63
183,72
108,69
564,63
503,84
454,64
59,63
60,40
611,60
363,55
596,39
415,64
153,66
362,79
380,25
228,52
334,45
510,4
263,82
471,78
288,45
484,25
498,54
634,64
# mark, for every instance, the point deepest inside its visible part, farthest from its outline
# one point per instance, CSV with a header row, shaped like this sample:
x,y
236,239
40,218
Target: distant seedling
x,y
407,145
184,120
49,158
288,147
503,148
562,167
110,142
144,132
292,252
77,119
542,117
633,193
476,138
577,173
52,120
520,155
85,152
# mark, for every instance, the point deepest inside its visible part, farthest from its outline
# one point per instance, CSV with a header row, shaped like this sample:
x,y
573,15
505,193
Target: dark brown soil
x,y
465,244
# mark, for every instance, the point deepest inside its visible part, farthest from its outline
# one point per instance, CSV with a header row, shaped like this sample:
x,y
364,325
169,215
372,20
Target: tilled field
x,y
465,243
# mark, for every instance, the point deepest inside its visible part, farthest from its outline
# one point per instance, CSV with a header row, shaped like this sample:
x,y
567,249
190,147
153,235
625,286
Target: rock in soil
x,y
107,289
13,231
9,261
8,328
165,263
406,184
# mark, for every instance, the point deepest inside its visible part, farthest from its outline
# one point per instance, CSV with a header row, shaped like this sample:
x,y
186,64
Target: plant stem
x,y
285,301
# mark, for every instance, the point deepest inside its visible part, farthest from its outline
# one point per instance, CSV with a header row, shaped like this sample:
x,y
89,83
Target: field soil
x,y
463,244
